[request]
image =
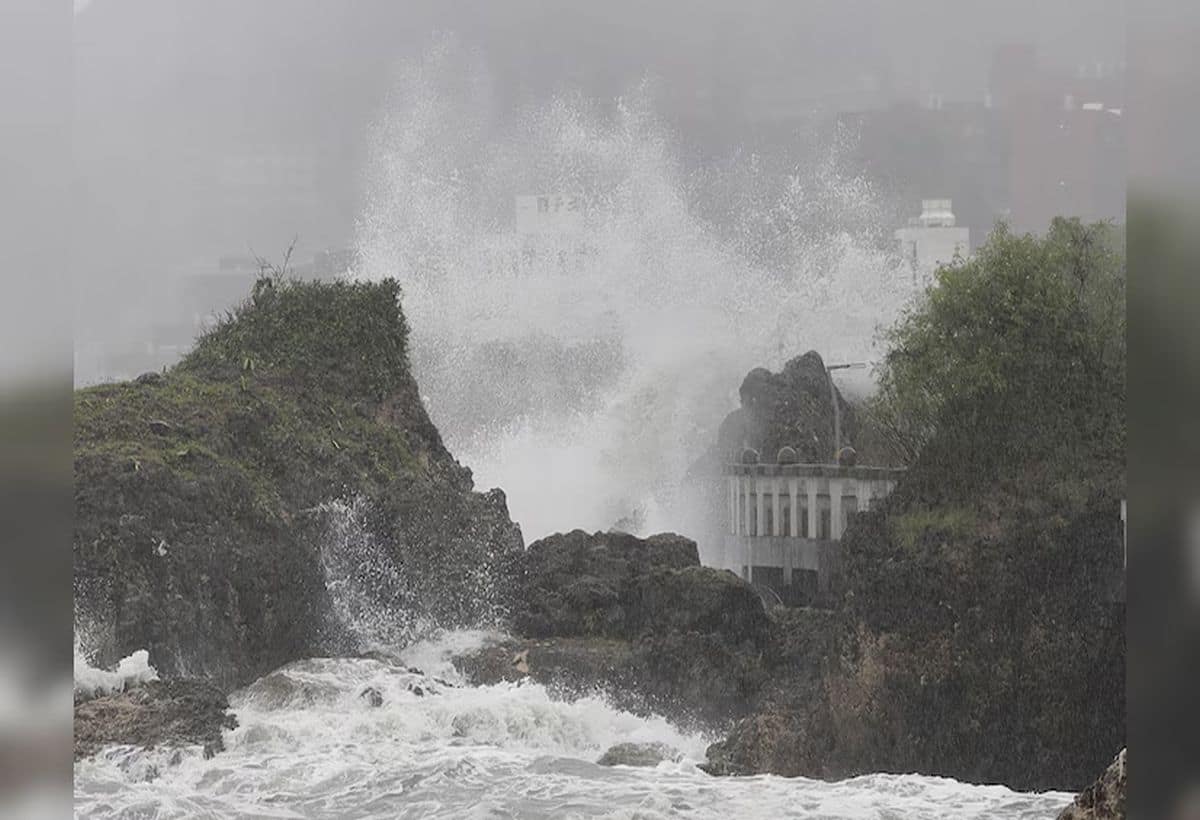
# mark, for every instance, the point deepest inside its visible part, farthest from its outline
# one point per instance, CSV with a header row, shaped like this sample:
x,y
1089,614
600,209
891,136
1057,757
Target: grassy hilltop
x,y
199,520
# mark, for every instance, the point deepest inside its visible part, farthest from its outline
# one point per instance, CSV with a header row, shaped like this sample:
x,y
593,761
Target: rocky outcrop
x,y
175,713
791,408
1104,799
639,618
638,754
615,585
213,501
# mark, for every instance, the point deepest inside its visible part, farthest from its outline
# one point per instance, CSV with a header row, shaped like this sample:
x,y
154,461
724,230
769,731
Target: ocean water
x,y
310,746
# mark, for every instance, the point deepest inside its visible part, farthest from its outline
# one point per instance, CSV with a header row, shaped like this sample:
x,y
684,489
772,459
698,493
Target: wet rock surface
x,y
207,497
1103,800
638,618
155,714
615,585
638,754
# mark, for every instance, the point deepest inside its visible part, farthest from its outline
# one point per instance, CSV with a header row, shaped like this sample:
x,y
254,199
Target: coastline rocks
x,y
615,585
159,713
1104,799
638,618
792,408
638,754
289,453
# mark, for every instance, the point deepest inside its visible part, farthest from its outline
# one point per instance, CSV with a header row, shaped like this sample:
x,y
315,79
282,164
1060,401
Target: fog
x,y
204,129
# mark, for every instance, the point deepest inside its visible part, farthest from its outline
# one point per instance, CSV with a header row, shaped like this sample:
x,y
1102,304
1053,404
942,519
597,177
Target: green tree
x,y
1017,351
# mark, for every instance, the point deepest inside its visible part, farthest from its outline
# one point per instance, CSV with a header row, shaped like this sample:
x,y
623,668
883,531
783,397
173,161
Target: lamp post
x,y
837,411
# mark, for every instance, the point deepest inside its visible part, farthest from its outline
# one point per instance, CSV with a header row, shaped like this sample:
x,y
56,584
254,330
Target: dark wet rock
x,y
231,458
791,408
279,689
618,586
371,696
638,754
1103,800
155,714
417,690
638,618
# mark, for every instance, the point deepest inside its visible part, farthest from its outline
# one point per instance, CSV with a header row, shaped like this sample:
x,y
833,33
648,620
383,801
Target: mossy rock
x,y
202,495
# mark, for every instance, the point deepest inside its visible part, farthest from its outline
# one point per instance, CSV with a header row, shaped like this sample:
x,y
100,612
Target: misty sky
x,y
169,97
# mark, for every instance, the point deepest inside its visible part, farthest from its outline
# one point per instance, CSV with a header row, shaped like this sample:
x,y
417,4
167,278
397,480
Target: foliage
x,y
344,338
992,577
1018,349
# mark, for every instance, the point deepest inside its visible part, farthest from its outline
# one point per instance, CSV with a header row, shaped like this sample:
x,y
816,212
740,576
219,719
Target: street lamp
x,y
837,410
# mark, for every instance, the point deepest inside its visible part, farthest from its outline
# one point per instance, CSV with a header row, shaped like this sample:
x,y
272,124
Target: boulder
x,y
581,584
638,754
792,408
159,713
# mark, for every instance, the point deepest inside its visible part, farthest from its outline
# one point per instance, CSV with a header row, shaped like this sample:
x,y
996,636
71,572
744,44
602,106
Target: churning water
x,y
400,734
584,369
309,745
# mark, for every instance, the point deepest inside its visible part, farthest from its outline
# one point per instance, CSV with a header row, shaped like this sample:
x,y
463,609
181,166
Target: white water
x,y
586,390
309,746
133,670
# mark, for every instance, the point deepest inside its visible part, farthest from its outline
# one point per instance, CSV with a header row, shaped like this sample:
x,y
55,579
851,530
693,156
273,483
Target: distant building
x,y
549,214
932,239
550,228
1036,144
786,519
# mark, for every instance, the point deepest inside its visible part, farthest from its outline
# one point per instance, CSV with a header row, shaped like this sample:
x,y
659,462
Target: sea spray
x,y
370,598
584,371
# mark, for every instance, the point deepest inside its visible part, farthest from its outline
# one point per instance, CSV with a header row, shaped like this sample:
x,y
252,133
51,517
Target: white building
x,y
932,239
787,519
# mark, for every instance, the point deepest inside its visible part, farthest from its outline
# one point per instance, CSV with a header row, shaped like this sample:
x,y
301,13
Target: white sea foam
x,y
606,358
132,670
309,745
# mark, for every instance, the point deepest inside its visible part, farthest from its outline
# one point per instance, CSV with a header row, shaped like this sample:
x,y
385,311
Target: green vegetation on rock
x,y
1016,354
203,494
343,338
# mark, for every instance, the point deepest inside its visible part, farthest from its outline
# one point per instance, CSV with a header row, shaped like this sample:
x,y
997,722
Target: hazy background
x,y
220,129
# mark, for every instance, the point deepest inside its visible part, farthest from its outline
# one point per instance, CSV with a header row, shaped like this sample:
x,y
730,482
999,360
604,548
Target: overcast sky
x,y
168,94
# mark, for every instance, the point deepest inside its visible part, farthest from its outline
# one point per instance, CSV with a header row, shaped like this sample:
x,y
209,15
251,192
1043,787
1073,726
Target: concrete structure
x,y
786,519
932,239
